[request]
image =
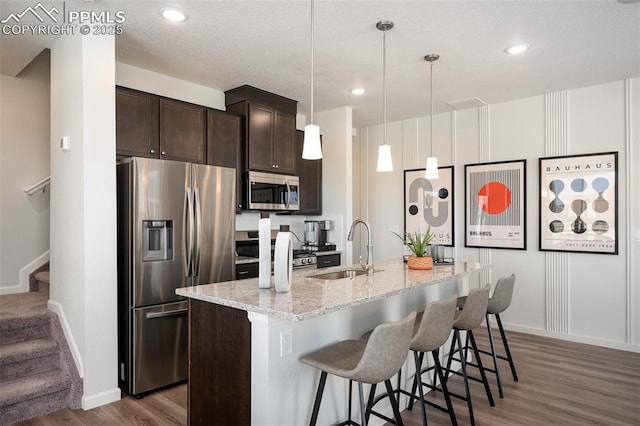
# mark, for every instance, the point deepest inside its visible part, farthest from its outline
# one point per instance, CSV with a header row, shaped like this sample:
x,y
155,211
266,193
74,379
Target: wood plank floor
x,y
561,383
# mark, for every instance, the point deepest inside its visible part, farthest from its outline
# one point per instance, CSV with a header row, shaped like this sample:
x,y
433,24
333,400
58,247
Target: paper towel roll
x,y
283,261
264,253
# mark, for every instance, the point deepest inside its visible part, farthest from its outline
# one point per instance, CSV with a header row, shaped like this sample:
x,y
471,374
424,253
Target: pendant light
x,y
311,149
431,171
385,164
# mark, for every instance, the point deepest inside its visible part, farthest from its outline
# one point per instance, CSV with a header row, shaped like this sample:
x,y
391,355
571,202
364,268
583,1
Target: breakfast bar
x,y
245,342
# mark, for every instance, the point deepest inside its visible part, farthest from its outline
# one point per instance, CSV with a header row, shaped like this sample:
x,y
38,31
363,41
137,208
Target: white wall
x,y
24,160
83,208
337,176
603,298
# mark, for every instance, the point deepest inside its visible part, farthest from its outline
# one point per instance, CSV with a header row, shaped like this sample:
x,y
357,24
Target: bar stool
x,y
498,303
373,361
467,319
431,331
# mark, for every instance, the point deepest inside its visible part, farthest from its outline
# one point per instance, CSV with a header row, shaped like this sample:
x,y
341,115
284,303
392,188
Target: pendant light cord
x,y
431,125
384,87
312,43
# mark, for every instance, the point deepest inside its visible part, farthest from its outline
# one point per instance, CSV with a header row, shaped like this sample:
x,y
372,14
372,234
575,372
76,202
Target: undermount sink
x,y
338,275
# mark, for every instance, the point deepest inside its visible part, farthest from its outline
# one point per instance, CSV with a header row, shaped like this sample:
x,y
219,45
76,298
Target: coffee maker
x,y
315,235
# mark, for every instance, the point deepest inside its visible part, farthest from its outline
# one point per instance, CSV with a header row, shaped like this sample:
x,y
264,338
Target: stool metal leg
x,y
394,403
493,355
316,405
363,410
415,378
418,381
506,348
445,391
372,395
463,360
481,368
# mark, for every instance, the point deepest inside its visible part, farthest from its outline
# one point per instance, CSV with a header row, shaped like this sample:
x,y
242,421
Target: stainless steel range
x,y
247,246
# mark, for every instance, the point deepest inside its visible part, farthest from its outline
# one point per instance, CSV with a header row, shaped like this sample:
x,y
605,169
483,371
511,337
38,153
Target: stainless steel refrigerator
x,y
176,224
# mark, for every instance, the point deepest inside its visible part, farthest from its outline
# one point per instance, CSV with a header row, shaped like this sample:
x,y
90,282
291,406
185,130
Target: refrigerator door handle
x,y
286,204
198,233
187,230
151,315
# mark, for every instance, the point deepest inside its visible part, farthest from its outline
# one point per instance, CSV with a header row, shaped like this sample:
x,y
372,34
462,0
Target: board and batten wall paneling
x,y
484,143
632,213
556,142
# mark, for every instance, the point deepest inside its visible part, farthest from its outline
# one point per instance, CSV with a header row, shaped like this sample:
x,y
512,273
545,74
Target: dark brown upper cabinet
x,y
151,126
137,123
182,131
270,128
224,140
310,173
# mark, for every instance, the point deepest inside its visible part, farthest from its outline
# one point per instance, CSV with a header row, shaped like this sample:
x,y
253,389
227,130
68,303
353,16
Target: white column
x,y
83,208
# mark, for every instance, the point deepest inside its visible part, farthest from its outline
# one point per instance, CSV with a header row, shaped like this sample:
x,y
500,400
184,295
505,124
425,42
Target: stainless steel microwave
x,y
270,191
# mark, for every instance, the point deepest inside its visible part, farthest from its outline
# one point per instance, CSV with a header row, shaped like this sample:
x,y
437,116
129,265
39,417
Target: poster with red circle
x,y
495,205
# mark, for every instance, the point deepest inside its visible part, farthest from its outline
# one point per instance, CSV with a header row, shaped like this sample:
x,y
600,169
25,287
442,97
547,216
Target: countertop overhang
x,y
312,297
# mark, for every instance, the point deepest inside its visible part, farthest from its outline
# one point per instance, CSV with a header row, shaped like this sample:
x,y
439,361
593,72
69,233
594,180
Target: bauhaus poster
x,y
579,203
495,205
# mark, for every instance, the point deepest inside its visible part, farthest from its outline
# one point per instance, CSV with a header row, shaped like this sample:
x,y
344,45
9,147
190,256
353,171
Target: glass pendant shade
x,y
432,168
385,164
311,150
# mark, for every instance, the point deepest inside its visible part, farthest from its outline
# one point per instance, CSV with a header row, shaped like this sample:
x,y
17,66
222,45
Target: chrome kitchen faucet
x,y
369,265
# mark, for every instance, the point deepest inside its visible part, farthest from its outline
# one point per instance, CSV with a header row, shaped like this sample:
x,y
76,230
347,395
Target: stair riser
x,y
22,334
28,367
34,407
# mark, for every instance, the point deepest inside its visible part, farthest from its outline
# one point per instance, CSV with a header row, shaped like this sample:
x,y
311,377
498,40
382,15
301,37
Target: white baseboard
x,y
56,307
102,398
23,275
573,338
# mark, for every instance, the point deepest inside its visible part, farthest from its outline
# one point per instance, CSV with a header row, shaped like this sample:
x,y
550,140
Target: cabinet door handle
x,y
153,151
276,166
326,261
163,153
243,272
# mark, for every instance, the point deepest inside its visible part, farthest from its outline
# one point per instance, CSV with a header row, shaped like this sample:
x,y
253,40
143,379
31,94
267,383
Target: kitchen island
x,y
245,342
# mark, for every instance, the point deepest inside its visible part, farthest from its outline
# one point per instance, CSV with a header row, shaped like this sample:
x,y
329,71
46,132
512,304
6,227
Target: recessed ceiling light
x,y
357,92
173,14
517,49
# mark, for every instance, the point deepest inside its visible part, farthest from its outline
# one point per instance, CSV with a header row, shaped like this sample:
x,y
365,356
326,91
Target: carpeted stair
x,y
37,372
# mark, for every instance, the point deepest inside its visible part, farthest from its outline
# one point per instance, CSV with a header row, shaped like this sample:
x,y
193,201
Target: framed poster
x,y
579,203
495,205
429,202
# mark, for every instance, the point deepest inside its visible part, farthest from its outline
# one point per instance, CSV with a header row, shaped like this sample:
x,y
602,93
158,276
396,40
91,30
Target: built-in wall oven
x,y
270,191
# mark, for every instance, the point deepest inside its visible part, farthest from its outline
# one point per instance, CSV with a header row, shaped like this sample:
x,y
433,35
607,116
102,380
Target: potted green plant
x,y
418,243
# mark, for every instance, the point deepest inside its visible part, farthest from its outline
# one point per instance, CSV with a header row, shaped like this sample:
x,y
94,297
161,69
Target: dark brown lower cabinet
x,y
247,270
327,260
219,389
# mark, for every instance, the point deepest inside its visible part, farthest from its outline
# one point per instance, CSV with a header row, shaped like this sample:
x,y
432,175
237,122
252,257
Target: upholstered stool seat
x,y
365,361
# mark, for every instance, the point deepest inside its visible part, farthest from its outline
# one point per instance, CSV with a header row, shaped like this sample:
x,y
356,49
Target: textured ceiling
x,y
266,44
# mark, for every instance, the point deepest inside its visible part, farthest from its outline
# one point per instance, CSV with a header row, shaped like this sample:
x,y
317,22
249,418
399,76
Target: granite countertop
x,y
312,297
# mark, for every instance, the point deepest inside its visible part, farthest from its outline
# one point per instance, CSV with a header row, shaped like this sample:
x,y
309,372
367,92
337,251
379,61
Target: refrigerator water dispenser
x,y
157,241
